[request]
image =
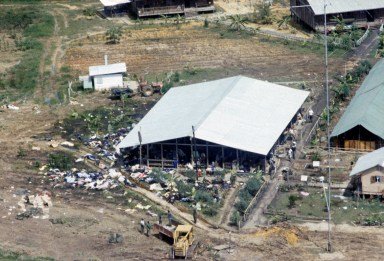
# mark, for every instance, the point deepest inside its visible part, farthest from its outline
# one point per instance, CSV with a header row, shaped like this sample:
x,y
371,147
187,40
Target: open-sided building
x,y
235,120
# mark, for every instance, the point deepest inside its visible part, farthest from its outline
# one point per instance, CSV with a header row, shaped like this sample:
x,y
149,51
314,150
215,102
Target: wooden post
x,y
237,159
162,158
177,153
222,155
147,155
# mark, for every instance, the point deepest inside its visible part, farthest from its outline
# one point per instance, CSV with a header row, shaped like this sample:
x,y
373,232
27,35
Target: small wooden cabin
x,y
369,173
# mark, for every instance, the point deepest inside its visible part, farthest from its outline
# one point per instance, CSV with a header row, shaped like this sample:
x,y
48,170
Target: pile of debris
x,y
36,206
88,180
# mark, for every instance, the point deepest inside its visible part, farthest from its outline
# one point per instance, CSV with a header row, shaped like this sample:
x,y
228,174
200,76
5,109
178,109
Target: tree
x,y
263,13
237,22
284,21
113,34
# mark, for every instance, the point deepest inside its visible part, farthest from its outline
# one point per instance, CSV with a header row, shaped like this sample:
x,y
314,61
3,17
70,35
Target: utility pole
x,y
328,136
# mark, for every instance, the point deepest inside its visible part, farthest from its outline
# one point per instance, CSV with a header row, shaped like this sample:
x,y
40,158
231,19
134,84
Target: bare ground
x,y
90,218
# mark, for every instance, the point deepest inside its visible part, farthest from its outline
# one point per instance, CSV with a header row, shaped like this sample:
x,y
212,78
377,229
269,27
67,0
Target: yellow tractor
x,y
183,238
182,235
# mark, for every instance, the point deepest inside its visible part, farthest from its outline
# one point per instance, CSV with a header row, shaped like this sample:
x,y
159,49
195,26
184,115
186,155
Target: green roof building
x,y
362,124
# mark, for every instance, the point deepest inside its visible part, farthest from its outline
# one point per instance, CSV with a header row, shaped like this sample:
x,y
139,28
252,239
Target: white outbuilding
x,y
102,77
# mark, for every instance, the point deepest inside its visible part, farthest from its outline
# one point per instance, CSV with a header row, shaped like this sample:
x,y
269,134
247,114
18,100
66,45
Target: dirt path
x,y
228,207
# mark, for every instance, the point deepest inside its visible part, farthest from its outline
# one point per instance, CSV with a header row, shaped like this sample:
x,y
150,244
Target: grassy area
x,y
14,256
313,205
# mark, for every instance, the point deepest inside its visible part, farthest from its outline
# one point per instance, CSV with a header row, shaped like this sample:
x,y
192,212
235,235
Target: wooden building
x,y
358,12
147,8
361,126
368,174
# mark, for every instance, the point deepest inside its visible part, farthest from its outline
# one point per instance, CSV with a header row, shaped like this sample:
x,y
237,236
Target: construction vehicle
x,y
182,235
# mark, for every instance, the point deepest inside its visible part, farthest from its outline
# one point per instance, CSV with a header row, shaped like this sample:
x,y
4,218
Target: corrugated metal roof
x,y
237,112
114,2
367,106
343,6
107,69
370,160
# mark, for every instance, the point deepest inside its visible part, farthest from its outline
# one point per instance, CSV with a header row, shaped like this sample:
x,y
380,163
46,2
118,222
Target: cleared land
x,y
84,220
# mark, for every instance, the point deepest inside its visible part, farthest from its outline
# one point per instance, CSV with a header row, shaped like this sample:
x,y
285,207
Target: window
x,y
376,179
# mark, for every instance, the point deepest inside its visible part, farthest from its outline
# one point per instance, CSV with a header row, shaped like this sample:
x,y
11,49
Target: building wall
x,y
368,181
102,82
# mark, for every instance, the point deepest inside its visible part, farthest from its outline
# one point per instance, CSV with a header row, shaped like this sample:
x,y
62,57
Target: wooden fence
x,y
365,35
254,200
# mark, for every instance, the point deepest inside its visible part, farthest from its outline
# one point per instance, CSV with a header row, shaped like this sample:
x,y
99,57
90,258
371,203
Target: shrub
x,y
210,211
235,218
253,185
60,160
203,196
292,201
241,205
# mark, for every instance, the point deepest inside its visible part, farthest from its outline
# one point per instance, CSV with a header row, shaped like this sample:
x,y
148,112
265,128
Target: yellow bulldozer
x,y
183,238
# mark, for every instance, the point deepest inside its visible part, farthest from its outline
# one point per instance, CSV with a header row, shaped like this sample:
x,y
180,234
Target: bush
x,y
241,205
292,201
203,197
235,218
60,160
210,211
253,185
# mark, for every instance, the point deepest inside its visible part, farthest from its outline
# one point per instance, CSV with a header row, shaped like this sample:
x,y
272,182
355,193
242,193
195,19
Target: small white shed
x,y
105,76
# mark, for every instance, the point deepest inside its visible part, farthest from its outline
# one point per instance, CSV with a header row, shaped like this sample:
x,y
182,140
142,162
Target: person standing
x,y
310,115
169,216
142,224
160,219
290,154
194,214
293,147
148,225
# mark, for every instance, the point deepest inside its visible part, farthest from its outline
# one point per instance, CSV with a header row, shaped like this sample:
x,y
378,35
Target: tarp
x,y
370,160
237,112
367,106
344,6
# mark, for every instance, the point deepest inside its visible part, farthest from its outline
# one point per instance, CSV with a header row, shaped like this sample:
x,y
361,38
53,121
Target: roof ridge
x,y
236,79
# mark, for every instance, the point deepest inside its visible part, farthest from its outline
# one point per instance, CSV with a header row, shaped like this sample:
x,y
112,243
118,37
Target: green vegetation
x,y
14,256
262,13
237,22
380,48
61,160
364,212
25,26
113,34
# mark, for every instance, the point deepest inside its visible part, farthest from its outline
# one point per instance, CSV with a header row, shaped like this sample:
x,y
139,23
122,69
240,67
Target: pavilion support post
x,y
177,153
237,160
206,154
162,158
147,155
222,156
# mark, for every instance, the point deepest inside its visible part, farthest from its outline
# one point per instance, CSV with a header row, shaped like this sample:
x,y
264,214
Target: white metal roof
x,y
107,69
114,2
370,160
237,112
342,6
